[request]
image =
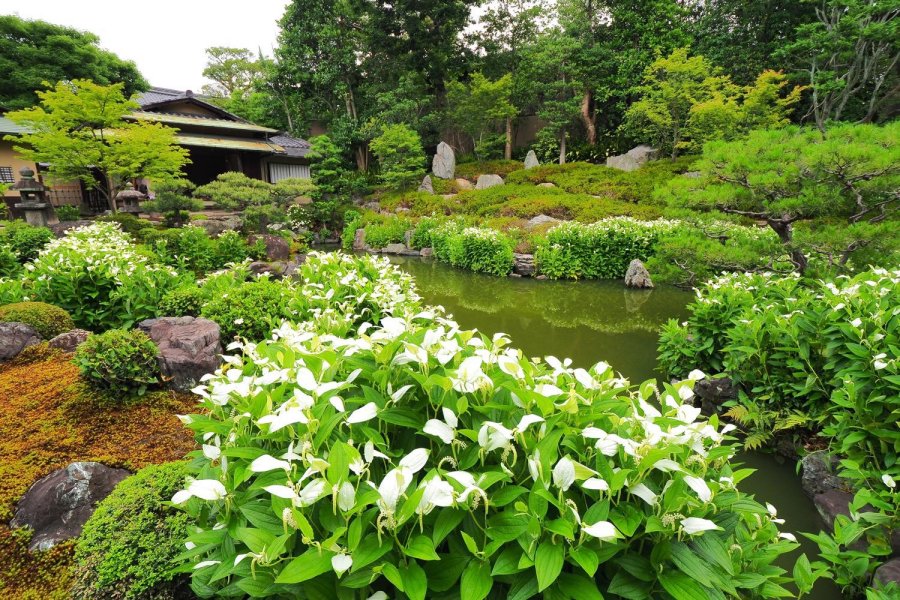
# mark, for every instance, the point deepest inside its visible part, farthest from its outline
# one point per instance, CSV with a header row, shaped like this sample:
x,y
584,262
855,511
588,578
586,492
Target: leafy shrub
x,y
119,360
481,250
46,319
353,220
11,290
400,155
469,472
235,191
68,212
601,250
9,262
189,248
250,311
24,240
97,275
127,547
185,301
127,222
381,231
230,248
421,237
173,199
471,170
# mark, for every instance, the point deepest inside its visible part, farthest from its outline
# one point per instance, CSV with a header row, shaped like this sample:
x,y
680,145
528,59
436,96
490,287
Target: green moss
x,y
472,170
46,319
127,548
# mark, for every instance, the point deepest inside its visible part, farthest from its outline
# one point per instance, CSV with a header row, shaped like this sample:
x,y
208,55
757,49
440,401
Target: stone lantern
x,y
129,199
38,211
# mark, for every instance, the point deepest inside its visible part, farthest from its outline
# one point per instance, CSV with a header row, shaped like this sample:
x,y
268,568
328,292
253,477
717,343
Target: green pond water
x,y
591,321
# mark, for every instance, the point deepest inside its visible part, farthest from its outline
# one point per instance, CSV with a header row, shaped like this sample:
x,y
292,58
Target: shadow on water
x,y
591,321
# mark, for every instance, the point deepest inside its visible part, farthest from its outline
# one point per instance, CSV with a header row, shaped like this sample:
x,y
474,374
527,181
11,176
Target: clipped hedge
x,y
46,319
128,546
118,360
478,249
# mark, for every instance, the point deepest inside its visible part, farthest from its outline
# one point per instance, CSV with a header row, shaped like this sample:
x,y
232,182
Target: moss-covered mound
x,y
47,320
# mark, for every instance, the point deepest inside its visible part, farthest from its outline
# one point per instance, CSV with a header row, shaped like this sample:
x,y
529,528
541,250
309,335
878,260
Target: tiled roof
x,y
292,146
7,126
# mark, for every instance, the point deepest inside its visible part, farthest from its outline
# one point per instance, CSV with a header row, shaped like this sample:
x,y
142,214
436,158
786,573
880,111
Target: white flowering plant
x,y
411,458
96,273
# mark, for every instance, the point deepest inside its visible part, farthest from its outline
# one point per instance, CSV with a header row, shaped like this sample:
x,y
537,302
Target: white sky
x,y
166,38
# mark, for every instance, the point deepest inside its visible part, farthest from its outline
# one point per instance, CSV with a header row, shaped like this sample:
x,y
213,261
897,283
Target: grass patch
x,y
472,170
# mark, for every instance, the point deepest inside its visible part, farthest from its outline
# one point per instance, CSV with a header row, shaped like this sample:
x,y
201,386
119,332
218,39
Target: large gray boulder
x,y
523,265
531,160
714,392
394,249
888,573
189,348
444,163
15,337
488,180
277,248
633,159
58,506
637,276
426,185
216,226
541,220
359,239
70,340
463,184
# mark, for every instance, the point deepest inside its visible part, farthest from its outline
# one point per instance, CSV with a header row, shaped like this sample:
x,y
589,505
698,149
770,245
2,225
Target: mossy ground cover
x,y
48,419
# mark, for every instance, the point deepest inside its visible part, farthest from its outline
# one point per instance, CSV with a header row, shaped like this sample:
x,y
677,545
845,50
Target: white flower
x,y
312,492
492,436
696,375
444,430
346,496
268,463
509,364
856,322
879,364
281,491
363,414
205,489
602,530
700,487
773,513
467,481
694,525
644,493
287,414
470,377
378,596
595,483
392,487
564,473
889,481
687,414
206,563
666,465
527,420
787,536
340,563
211,452
437,493
415,460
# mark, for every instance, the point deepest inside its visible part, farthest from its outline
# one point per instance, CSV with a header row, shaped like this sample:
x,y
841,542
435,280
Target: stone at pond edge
x,y
58,505
637,276
524,265
488,180
426,185
714,392
189,348
888,573
531,160
359,239
394,249
444,163
70,340
817,474
277,247
15,337
426,252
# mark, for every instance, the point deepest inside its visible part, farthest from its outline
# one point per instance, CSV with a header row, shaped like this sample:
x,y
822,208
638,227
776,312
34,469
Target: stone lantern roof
x,y
28,183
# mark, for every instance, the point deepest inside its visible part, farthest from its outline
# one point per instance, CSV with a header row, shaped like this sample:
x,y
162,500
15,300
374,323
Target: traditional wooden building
x,y
218,141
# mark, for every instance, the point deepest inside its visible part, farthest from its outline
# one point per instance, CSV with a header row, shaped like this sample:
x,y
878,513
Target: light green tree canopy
x,y
400,155
80,130
480,106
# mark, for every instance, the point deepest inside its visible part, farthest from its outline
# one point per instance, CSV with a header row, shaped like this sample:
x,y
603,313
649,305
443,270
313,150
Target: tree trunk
x,y
785,232
110,197
587,116
562,148
507,152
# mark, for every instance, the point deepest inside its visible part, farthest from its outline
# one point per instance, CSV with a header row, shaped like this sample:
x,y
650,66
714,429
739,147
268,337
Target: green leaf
x,y
415,582
421,547
523,589
476,581
507,562
447,521
803,575
311,563
392,574
548,563
507,526
586,559
628,587
579,587
370,550
681,586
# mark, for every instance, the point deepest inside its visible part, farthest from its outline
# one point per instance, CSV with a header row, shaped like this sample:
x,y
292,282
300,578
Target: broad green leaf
x,y
548,563
421,547
476,581
311,563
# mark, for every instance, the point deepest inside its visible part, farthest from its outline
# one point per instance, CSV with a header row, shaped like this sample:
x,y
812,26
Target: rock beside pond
x,y
531,160
714,392
832,503
277,247
426,252
426,185
70,340
15,337
524,265
394,249
817,474
637,276
58,506
488,180
444,163
888,573
541,220
359,239
189,348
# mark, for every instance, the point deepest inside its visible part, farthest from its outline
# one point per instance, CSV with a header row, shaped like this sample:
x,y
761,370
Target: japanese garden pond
x,y
592,321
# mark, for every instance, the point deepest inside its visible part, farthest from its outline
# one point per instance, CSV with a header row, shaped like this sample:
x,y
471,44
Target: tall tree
x,y
234,71
80,130
32,52
850,57
477,108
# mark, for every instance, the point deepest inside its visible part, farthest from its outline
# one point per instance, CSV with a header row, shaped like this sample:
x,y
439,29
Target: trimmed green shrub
x,y
119,361
400,155
9,262
127,548
185,301
23,239
46,319
251,310
127,222
67,212
475,248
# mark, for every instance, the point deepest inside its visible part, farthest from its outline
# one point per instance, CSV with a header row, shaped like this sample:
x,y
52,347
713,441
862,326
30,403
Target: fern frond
x,y
738,413
791,420
756,439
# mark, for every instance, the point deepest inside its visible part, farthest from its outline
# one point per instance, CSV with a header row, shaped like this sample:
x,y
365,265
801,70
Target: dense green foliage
x,y
119,361
182,302
251,310
474,248
48,320
174,200
127,548
191,249
400,156
67,212
470,472
32,52
24,240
